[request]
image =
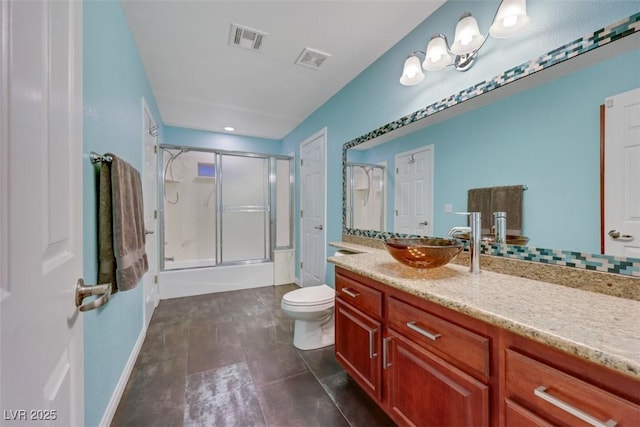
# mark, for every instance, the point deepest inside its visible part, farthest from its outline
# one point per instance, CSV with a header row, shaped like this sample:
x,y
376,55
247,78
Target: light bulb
x,y
411,73
511,19
467,38
437,56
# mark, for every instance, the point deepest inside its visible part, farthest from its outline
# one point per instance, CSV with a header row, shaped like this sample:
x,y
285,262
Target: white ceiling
x,y
202,82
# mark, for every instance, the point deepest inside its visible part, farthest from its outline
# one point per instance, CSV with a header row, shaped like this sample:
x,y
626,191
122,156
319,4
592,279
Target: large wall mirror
x,y
541,131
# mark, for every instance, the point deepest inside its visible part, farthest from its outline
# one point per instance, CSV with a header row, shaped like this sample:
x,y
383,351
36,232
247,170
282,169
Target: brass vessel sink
x,y
491,238
423,253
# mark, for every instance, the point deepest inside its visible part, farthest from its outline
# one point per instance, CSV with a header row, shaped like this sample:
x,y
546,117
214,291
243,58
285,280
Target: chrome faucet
x,y
475,236
500,226
459,230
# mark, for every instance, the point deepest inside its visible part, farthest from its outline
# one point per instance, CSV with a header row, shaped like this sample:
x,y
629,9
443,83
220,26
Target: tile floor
x,y
227,359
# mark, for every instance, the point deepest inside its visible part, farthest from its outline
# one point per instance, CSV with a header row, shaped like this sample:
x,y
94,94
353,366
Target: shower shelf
x,y
172,180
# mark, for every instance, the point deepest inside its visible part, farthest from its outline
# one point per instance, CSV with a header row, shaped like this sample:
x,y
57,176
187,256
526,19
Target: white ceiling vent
x,y
312,58
247,38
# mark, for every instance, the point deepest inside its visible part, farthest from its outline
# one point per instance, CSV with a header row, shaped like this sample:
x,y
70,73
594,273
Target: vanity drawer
x,y
468,349
359,295
562,399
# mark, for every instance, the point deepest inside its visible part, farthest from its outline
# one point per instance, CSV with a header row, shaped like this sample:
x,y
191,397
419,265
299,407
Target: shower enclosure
x,y
366,196
223,208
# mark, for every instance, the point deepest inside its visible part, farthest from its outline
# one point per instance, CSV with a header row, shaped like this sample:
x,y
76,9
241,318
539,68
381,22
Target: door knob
x,y
318,227
425,223
615,234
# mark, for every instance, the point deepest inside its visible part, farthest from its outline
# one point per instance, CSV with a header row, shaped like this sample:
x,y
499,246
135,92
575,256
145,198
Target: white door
x,y
41,362
312,171
414,192
622,174
150,198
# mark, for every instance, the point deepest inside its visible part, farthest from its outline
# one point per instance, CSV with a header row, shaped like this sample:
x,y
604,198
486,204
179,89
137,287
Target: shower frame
x,y
351,188
271,208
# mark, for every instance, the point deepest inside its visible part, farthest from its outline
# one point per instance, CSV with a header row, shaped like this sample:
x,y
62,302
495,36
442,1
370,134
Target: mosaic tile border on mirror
x,y
580,260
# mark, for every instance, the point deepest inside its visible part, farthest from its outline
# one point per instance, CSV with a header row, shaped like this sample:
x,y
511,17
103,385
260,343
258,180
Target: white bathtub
x,y
190,278
191,263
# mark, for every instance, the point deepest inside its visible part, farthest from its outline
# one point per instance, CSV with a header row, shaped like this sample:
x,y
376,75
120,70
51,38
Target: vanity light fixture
x,y
510,19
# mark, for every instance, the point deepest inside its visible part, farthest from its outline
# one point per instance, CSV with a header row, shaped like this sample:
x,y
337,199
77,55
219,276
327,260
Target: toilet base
x,y
311,335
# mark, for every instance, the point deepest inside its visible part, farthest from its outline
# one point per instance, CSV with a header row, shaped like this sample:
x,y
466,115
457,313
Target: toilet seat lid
x,y
312,295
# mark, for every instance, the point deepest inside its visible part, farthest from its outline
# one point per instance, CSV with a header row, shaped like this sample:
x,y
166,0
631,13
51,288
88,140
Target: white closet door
x,y
41,356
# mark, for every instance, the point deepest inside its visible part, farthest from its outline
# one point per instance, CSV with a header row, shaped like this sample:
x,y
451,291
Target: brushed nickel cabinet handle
x,y
385,353
350,293
424,333
541,392
372,333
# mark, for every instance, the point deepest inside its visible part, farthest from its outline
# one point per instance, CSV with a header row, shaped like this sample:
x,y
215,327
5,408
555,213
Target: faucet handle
x,y
473,215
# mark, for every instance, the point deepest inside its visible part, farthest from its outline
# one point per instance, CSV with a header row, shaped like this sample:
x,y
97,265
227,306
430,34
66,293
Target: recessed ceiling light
x,y
229,128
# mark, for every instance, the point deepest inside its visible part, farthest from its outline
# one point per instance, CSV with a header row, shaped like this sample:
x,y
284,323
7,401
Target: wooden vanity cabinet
x,y
427,365
417,380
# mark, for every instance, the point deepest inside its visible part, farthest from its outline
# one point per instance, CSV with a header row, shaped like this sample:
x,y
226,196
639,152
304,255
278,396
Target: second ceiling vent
x,y
312,58
246,37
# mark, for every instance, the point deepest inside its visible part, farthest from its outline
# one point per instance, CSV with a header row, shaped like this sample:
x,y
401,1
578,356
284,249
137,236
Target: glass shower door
x,y
244,221
189,208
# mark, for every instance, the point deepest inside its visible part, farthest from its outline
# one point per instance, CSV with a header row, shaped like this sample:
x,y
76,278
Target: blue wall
x,y
220,141
114,84
375,97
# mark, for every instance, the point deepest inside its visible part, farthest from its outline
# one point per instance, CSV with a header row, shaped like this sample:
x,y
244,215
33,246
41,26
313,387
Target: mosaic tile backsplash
x,y
587,261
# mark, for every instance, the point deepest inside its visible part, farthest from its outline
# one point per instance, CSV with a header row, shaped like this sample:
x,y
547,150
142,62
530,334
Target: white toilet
x,y
312,309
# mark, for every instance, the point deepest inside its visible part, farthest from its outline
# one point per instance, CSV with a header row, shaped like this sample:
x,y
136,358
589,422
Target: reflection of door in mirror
x,y
413,210
622,175
366,196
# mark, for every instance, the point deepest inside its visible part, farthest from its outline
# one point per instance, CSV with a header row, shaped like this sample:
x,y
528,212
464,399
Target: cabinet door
x,y
357,345
424,390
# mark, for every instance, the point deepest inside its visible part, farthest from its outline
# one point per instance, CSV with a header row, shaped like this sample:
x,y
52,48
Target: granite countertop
x,y
600,328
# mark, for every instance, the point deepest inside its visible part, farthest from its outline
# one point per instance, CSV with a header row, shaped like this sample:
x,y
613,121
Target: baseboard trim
x,y
110,412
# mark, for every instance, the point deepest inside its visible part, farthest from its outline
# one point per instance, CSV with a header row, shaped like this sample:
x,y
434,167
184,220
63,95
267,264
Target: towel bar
x,y
96,158
83,291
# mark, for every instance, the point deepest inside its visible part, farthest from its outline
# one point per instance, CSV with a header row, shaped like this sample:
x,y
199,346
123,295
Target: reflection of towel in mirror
x,y
508,199
498,199
479,200
121,239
